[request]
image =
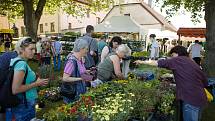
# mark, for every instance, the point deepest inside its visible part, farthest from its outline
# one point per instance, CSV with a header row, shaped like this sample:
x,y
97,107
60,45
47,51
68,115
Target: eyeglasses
x,y
26,42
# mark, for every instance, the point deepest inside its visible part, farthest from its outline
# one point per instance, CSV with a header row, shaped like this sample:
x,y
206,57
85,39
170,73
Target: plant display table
x,y
133,99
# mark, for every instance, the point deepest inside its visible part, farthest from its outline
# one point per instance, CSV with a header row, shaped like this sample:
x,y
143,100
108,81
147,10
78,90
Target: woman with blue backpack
x,y
24,83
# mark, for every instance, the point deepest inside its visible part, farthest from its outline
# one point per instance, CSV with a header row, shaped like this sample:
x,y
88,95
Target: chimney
x,y
150,3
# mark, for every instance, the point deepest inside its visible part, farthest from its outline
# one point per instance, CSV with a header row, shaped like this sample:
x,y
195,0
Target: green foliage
x,y
11,8
196,7
141,54
73,34
96,35
14,8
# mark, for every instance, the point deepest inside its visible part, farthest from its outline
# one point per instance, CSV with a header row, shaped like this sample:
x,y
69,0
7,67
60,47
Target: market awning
x,y
118,24
6,31
192,32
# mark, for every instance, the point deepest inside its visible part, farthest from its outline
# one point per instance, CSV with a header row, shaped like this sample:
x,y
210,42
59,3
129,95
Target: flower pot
x,y
41,104
84,118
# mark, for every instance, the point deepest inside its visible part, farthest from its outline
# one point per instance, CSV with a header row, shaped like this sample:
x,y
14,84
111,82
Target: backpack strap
x,y
76,72
90,45
110,49
24,80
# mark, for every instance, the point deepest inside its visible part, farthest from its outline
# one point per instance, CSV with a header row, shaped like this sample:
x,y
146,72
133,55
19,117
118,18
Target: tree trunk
x,y
209,66
32,17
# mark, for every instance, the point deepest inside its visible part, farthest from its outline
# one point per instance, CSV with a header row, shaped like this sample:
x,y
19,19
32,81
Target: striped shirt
x,y
69,68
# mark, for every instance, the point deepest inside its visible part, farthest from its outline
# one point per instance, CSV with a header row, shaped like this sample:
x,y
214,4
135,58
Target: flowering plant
x,y
80,109
115,107
51,94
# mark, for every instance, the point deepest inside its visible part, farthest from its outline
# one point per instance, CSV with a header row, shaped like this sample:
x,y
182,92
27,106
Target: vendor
x,y
190,81
109,68
154,54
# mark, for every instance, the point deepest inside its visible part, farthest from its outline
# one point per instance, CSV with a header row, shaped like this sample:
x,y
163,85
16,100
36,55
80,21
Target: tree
x,y
196,7
31,10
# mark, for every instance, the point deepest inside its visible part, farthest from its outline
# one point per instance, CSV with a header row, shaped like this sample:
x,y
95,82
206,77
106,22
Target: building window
x,y
98,20
52,27
70,26
41,28
88,13
127,14
22,30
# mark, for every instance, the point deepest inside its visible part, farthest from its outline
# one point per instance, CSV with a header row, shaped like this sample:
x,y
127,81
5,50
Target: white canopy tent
x,y
118,24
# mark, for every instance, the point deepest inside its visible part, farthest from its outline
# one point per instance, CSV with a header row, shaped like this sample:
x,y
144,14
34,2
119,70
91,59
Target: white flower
x,y
107,99
107,118
36,106
120,109
129,100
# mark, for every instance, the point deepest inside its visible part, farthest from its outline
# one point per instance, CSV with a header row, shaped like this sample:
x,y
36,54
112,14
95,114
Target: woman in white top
x,y
114,43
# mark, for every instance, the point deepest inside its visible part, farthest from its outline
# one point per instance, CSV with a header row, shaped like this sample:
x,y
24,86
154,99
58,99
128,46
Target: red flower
x,y
89,98
83,97
73,110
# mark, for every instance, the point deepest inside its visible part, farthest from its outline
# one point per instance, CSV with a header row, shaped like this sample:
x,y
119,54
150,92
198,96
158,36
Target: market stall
x,y
191,33
120,25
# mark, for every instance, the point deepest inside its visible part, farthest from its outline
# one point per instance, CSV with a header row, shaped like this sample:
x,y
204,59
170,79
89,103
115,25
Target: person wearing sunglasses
x,y
190,81
27,92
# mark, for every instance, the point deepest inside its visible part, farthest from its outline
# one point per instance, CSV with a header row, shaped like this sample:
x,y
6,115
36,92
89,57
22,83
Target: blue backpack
x,y
5,64
7,98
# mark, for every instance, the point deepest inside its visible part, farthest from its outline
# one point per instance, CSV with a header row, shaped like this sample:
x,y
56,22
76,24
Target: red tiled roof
x,y
192,32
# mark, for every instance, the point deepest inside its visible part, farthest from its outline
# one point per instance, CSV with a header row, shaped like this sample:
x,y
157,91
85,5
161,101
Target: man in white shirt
x,y
39,48
195,50
154,47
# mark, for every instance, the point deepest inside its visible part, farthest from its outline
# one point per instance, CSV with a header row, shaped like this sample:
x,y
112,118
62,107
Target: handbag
x,y
69,89
209,95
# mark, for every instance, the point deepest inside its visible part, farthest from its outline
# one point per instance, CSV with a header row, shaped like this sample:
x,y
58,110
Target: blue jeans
x,y
21,112
190,112
57,62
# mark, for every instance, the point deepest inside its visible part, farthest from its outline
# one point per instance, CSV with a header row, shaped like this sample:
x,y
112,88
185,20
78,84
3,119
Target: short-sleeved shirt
x,y
69,67
89,60
101,45
39,47
195,50
46,49
190,79
154,46
31,77
57,46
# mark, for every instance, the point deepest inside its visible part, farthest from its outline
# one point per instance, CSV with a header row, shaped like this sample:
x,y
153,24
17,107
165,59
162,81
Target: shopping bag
x,y
209,95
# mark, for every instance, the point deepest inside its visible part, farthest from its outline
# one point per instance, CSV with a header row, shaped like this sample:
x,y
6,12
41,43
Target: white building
x,y
4,24
60,23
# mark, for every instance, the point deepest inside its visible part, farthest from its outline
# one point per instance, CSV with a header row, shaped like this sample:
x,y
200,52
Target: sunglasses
x,y
26,42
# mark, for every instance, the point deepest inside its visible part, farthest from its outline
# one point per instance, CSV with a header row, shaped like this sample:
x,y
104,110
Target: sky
x,y
180,20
